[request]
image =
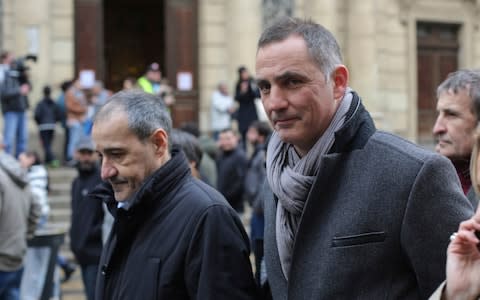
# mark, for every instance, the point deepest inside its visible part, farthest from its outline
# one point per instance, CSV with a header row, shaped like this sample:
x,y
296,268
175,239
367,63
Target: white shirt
x,y
220,116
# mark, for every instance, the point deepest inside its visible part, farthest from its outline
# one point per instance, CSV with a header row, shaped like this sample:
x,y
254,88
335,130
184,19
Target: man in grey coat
x,y
356,213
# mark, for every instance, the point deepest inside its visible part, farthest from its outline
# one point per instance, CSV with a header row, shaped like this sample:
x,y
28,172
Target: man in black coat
x,y
174,237
231,169
87,215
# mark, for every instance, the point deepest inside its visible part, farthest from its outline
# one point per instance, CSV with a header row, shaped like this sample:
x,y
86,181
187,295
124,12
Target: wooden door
x,y
437,55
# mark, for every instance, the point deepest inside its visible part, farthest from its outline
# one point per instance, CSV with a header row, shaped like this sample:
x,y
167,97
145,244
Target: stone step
x,y
60,187
61,175
59,201
60,215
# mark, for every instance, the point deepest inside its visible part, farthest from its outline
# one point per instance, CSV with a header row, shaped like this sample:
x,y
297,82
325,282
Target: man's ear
x,y
159,140
340,81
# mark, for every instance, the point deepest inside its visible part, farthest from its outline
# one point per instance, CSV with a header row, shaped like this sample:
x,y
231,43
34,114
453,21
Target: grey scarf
x,y
291,177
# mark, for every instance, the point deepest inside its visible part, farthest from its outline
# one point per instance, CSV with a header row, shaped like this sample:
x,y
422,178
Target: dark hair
x,y
36,157
189,144
262,127
145,112
466,80
241,69
321,43
4,54
191,128
47,91
64,86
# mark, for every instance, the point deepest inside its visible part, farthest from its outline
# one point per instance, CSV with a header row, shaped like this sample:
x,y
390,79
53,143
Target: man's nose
x,y
439,126
276,99
108,170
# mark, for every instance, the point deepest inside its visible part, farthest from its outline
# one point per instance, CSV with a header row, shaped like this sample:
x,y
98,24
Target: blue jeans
x,y
15,132
10,284
89,277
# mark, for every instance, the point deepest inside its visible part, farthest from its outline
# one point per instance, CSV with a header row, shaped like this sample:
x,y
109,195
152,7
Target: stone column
x,y
360,50
323,12
274,9
243,30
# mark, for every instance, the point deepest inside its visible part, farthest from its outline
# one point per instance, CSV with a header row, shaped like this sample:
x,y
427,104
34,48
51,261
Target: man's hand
x,y
463,262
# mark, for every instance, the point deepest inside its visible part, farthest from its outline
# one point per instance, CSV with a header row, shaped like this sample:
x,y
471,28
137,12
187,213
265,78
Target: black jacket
x,y
178,240
231,170
247,111
87,220
47,113
10,95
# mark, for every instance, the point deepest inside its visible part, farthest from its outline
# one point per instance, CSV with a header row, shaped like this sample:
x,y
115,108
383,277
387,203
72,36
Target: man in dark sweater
x,y
87,215
231,169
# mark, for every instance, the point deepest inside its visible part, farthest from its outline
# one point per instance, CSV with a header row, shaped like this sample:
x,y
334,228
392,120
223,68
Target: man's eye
x,y
264,89
293,82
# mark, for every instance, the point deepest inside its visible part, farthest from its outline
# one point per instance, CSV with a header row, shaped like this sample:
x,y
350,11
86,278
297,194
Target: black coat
x,y
11,99
247,111
87,219
47,113
231,170
178,240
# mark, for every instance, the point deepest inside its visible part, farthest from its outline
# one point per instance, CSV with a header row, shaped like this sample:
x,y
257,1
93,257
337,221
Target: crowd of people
x,y
339,209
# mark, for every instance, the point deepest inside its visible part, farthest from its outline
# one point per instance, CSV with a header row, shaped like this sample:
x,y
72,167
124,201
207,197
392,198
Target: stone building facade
x,y
397,51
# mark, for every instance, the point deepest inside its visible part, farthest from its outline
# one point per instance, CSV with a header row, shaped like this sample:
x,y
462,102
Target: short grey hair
x,y
321,43
467,80
145,112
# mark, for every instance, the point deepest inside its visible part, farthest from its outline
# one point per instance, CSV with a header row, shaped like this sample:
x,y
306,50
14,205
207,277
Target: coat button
x,y
104,270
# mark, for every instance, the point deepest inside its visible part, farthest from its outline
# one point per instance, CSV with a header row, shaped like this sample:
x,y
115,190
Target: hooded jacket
x,y
178,240
19,213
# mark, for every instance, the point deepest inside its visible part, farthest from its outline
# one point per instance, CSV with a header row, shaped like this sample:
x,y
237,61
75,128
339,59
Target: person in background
x,y
129,83
86,235
100,95
257,135
150,81
207,166
20,212
231,169
63,111
191,147
46,115
14,90
174,237
221,110
76,103
458,109
37,176
246,92
356,213
36,261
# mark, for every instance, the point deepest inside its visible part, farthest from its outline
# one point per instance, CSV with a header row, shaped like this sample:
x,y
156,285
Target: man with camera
x,y
14,89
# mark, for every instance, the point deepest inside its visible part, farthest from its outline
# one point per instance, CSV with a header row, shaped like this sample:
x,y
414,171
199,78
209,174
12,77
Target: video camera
x,y
20,68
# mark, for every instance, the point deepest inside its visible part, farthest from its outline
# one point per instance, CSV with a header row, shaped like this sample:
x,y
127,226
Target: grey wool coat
x,y
376,223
